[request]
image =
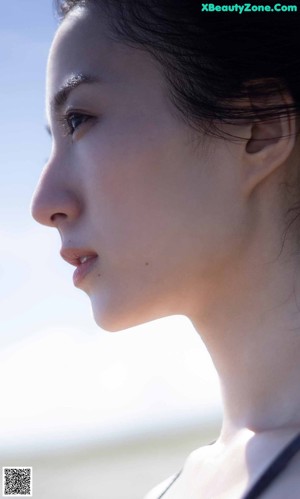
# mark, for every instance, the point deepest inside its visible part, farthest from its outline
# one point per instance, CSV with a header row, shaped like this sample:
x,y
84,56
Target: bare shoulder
x,y
190,467
197,458
160,488
189,464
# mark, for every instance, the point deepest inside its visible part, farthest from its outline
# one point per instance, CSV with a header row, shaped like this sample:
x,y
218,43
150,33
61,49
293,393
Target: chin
x,y
114,318
111,324
110,317
115,322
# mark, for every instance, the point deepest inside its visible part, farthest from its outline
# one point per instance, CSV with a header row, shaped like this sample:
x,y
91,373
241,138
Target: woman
x,y
174,184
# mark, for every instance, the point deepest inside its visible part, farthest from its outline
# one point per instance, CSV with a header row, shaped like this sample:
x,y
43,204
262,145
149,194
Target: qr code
x,y
17,481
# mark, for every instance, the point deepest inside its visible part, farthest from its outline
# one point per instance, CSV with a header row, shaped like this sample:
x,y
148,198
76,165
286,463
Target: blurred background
x,y
97,415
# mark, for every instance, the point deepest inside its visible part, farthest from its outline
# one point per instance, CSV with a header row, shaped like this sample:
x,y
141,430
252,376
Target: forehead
x,y
77,41
84,44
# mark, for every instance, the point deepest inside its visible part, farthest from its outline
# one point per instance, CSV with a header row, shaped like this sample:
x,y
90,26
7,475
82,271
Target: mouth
x,y
83,259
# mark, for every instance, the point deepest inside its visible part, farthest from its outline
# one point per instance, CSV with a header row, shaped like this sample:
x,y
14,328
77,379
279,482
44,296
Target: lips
x,y
82,259
77,256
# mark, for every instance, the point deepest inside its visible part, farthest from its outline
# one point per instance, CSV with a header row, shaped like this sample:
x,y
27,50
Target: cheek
x,y
148,202
164,231
128,189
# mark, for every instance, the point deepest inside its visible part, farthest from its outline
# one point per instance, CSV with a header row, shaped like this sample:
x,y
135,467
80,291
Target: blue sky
x,y
26,29
78,377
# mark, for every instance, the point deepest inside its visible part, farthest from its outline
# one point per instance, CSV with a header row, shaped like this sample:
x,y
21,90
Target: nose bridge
x,y
54,198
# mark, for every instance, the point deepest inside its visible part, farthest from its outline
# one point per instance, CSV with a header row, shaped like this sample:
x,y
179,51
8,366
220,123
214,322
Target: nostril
x,y
57,216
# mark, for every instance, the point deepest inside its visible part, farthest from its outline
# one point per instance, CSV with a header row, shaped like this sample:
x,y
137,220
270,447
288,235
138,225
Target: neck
x,y
251,328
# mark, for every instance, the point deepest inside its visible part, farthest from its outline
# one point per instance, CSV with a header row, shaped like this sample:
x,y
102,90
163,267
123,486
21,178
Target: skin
x,y
182,224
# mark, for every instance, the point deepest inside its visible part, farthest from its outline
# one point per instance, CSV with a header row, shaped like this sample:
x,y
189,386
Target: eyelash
x,y
67,121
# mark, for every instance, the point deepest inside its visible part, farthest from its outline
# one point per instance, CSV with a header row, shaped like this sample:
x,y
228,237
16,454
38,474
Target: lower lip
x,y
83,270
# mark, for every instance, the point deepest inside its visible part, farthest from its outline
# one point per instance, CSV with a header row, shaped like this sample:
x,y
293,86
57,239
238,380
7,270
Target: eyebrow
x,y
69,85
72,82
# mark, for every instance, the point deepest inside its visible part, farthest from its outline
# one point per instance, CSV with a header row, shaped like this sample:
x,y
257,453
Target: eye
x,y
73,120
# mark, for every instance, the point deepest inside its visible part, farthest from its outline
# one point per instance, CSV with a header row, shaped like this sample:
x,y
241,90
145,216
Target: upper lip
x,y
74,255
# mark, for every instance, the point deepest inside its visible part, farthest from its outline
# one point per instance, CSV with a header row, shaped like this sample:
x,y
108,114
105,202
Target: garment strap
x,y
270,474
170,484
178,474
275,468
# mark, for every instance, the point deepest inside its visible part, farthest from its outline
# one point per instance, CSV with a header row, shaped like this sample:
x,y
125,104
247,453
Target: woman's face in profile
x,y
126,183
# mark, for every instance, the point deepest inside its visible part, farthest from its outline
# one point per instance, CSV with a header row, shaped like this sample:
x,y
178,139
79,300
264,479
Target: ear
x,y
269,144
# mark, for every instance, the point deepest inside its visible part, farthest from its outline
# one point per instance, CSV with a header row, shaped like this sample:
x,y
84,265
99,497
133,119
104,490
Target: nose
x,y
54,201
